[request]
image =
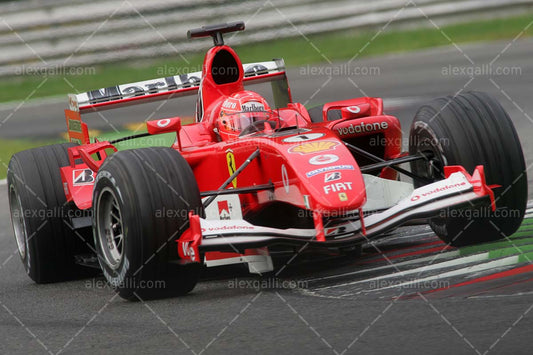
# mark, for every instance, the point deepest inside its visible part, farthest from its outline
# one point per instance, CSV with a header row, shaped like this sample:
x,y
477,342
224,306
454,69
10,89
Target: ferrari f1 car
x,y
253,175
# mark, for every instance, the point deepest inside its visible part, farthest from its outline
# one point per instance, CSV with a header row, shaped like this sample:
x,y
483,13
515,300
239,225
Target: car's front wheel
x,y
469,130
141,203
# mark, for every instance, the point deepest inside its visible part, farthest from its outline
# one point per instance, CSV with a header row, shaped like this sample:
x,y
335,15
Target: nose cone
x,y
329,174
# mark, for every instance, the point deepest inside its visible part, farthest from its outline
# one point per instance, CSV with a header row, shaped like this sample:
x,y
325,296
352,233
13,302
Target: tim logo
x,y
334,176
82,177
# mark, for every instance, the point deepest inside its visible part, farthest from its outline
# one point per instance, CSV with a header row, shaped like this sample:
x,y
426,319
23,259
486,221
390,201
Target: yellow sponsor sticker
x,y
343,197
313,147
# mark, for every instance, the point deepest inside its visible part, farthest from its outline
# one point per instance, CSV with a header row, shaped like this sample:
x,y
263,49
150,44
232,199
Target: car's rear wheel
x,y
141,202
46,241
469,130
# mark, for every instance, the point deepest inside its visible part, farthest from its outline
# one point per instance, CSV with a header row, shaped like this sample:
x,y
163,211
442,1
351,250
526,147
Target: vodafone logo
x,y
163,123
354,109
438,190
362,128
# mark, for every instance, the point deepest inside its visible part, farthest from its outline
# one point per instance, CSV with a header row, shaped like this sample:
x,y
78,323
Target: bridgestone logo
x,y
362,128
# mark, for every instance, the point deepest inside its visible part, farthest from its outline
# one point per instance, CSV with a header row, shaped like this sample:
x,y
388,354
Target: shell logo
x,y
313,147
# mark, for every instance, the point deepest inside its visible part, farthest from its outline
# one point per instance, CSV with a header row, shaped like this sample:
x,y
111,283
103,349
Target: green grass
x,y
295,51
336,46
9,147
160,140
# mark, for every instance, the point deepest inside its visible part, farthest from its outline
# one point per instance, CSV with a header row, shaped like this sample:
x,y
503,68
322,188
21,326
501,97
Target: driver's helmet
x,y
240,111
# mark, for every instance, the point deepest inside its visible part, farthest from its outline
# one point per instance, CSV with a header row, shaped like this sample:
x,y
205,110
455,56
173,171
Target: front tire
x,y
469,130
141,202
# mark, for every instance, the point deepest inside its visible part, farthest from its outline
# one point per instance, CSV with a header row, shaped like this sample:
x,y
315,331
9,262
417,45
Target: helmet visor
x,y
242,120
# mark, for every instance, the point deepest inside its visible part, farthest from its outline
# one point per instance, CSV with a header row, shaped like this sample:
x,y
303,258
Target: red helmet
x,y
240,111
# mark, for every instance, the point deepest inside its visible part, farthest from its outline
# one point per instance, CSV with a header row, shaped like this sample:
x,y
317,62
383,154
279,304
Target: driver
x,y
243,113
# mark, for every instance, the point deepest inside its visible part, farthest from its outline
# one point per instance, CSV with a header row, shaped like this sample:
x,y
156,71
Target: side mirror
x,y
355,111
164,125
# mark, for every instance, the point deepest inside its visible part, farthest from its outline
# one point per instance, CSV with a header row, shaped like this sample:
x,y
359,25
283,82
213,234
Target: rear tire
x,y
472,129
39,214
141,202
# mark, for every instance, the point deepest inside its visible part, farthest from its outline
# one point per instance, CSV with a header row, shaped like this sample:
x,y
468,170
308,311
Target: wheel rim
x,y
432,167
110,228
17,219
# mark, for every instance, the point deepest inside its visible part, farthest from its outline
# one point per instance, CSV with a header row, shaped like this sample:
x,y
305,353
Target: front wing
x,y
458,190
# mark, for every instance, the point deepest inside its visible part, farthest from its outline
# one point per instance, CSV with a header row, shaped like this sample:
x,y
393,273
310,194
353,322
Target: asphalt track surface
x,y
408,293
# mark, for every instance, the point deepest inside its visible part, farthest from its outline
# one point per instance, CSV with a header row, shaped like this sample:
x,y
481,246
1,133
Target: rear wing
x,y
163,89
173,87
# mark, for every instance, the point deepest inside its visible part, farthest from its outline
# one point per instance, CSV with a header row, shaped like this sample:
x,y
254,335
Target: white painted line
x,y
511,260
419,270
431,258
447,255
3,182
500,296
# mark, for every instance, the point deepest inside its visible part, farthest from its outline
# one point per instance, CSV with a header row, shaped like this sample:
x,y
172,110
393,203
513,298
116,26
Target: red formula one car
x,y
256,174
